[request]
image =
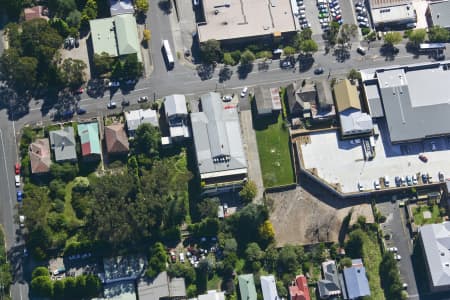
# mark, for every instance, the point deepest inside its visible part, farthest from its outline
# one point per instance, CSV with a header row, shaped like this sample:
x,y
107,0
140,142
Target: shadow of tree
x,y
306,62
165,6
205,71
244,70
341,54
225,74
389,52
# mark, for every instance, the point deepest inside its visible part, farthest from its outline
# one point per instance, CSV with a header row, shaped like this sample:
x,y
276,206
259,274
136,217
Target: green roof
x,y
127,36
90,142
116,35
247,287
103,36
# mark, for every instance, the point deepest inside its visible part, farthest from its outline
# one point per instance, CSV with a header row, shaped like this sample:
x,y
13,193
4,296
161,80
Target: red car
x,y
17,169
423,158
79,91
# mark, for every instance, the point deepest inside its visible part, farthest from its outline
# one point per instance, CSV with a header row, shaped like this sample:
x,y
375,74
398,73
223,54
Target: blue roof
x,y
356,282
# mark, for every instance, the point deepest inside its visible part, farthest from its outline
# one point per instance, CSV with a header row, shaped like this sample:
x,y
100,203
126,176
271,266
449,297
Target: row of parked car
x,y
302,15
361,15
329,10
401,181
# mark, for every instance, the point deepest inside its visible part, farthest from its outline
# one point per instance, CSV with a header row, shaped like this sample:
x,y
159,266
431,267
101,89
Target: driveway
x,y
396,225
251,149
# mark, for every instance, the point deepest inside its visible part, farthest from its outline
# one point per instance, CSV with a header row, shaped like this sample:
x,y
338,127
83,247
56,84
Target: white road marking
x,y
6,172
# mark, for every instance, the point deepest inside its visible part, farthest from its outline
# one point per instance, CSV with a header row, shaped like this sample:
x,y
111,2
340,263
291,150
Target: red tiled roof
x,y
300,290
116,139
34,13
40,160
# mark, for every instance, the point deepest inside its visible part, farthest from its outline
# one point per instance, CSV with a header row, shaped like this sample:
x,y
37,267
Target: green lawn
x,y
435,216
273,147
372,260
214,283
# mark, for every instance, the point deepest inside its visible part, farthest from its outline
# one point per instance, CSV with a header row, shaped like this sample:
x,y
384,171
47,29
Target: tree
x,y
42,286
230,246
88,13
305,34
354,75
346,262
331,35
247,57
103,63
287,259
288,51
346,33
438,34
157,262
208,208
309,46
253,253
40,271
249,191
93,285
266,232
182,270
74,19
228,59
417,36
146,140
19,72
392,38
141,6
59,287
61,8
147,35
211,51
132,67
73,72
60,25
355,243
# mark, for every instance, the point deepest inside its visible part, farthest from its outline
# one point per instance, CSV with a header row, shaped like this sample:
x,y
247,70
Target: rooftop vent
x,y
216,12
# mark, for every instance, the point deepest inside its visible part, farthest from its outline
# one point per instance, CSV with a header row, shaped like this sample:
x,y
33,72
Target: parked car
x,y
111,105
19,196
125,102
397,257
244,91
114,84
22,221
285,64
338,17
17,168
318,71
17,180
386,181
79,91
360,187
142,99
398,181
403,181
423,158
414,179
376,185
409,180
393,249
363,24
441,177
424,178
81,111
196,2
181,257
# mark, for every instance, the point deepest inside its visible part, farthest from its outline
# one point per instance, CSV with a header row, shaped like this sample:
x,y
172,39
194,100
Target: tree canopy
x,y
211,51
438,34
392,38
417,36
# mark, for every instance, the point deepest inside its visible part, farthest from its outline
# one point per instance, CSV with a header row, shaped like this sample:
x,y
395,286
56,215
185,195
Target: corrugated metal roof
x,y
269,287
89,138
346,96
356,282
127,36
175,105
440,13
103,36
247,287
374,101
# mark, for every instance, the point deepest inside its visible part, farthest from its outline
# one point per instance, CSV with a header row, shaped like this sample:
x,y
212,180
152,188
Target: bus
x,y
435,50
168,54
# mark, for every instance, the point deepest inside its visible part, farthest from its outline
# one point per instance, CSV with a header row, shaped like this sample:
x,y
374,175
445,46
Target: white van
x,y
182,257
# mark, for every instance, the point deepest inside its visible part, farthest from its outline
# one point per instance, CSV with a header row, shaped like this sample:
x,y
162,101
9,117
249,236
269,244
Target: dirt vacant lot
x,y
301,218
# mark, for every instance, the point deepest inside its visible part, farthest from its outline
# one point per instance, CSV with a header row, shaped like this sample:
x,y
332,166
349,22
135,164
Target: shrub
x,y
365,31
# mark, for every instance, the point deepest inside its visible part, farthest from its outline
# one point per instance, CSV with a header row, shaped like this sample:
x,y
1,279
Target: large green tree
x,y
141,6
73,72
438,34
146,140
211,51
417,36
392,38
309,46
247,57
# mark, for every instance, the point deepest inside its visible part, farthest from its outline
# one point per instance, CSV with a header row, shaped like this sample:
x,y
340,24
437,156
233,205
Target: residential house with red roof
x,y
90,141
40,159
116,139
299,290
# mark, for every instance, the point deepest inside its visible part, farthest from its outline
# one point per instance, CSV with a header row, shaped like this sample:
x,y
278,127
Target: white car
x,y
386,181
111,105
114,84
181,257
22,221
17,179
397,257
227,98
244,91
393,249
376,184
414,179
360,187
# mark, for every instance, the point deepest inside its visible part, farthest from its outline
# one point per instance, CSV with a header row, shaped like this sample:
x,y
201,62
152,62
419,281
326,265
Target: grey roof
x,y
436,245
212,295
356,282
329,286
269,287
440,13
267,100
118,7
416,104
161,287
354,121
299,97
175,105
324,95
63,144
374,100
217,137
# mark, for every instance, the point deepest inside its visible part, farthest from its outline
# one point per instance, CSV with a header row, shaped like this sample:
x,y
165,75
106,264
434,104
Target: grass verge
x,y
419,218
372,260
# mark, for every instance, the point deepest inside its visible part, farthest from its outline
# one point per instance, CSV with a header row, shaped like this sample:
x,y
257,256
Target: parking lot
x,y
399,239
390,160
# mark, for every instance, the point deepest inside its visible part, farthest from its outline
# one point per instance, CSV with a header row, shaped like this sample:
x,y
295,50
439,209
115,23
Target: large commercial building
x,y
235,20
392,13
221,160
413,99
438,14
435,242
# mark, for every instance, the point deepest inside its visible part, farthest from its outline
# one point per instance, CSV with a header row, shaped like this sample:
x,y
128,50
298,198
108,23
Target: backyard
x,y
273,146
427,215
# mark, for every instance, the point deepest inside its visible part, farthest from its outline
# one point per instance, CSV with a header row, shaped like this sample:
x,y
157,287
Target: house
x,y
299,290
35,12
353,120
177,116
162,287
63,144
323,107
329,286
247,287
142,116
90,141
268,101
299,96
392,13
40,158
119,7
269,288
244,21
116,139
356,282
438,14
116,36
211,295
435,243
220,155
